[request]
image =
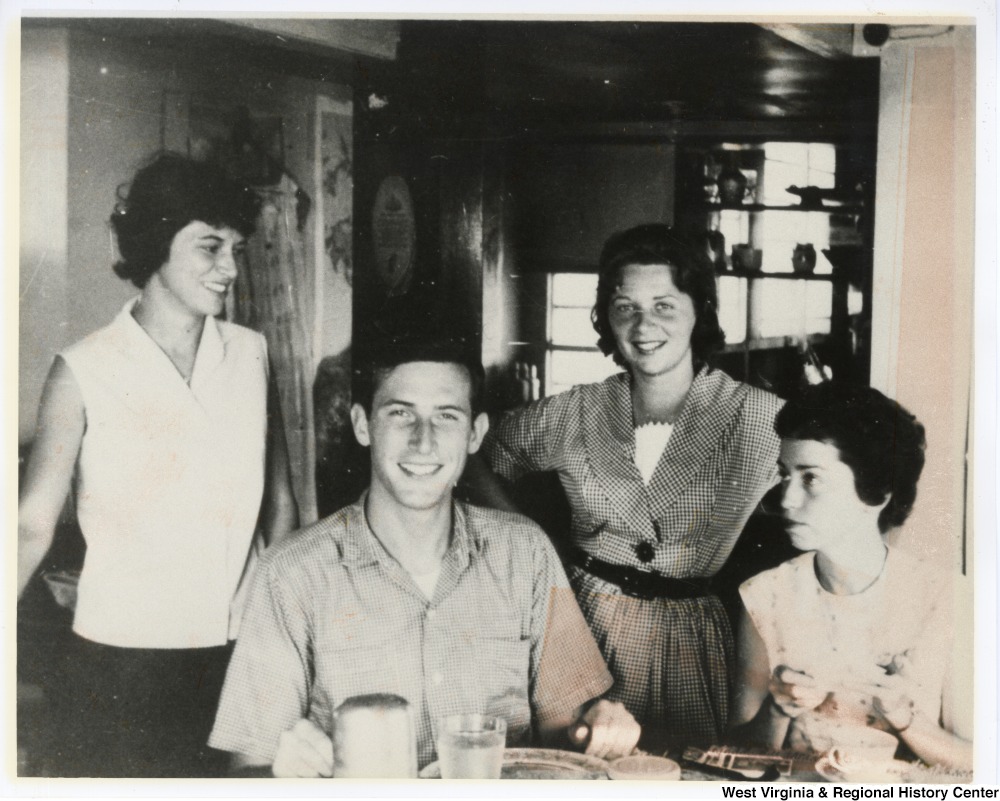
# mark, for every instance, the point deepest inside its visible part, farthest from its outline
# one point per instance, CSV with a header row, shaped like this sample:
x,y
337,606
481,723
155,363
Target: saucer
x,y
888,771
645,767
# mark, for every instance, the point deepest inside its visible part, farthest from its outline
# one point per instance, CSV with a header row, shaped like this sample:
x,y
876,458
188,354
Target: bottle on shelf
x,y
813,370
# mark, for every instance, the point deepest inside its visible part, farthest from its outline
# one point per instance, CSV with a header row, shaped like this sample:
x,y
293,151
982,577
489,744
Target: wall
x,y
562,200
43,286
922,304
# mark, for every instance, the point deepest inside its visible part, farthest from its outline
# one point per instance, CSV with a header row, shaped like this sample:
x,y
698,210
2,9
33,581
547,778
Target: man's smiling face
x,y
421,431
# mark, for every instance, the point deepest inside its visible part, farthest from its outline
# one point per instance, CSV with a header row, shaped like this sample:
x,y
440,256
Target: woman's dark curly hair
x,y
655,243
878,439
166,195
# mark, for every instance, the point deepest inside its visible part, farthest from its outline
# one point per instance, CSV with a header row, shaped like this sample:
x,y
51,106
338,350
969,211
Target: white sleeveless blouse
x,y
169,484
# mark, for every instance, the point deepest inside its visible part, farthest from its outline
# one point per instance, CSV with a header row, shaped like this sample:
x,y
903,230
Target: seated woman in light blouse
x,y
852,632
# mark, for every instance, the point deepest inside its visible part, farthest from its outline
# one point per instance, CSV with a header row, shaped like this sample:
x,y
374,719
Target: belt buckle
x,y
633,589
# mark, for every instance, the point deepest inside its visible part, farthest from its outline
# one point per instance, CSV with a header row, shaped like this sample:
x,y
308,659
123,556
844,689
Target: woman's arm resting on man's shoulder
x,y
484,487
49,471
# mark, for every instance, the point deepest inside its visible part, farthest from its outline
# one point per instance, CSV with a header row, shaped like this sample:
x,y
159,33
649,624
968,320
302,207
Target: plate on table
x,y
889,771
540,763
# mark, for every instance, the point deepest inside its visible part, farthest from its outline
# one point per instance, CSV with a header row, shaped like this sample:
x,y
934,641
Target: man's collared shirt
x,y
331,615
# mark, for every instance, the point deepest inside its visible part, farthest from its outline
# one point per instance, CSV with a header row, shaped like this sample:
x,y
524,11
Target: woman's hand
x,y
892,694
793,692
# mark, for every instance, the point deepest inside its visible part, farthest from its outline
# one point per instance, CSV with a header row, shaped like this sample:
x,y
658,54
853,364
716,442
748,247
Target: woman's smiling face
x,y
652,319
201,266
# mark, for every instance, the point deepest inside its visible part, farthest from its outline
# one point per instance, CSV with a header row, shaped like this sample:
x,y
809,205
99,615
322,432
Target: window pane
x,y
574,289
790,308
788,152
855,300
568,368
778,176
822,164
573,327
733,308
819,298
780,231
796,164
735,227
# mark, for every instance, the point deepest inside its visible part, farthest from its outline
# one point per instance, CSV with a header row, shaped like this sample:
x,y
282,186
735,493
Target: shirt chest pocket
x,y
360,657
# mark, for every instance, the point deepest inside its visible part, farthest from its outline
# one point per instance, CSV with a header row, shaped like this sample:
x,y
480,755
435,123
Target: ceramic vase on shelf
x,y
732,185
804,259
746,258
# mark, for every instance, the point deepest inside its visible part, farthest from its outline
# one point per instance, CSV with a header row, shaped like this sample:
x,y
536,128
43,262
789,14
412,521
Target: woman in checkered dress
x,y
662,465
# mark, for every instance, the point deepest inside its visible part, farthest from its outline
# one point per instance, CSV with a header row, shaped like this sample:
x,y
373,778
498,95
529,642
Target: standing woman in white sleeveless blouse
x,y
165,426
662,465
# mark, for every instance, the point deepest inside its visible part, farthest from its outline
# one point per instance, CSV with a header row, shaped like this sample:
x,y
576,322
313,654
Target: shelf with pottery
x,y
774,343
853,209
757,275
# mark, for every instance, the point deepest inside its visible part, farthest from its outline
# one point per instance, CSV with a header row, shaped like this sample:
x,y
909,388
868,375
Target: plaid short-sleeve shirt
x,y
331,616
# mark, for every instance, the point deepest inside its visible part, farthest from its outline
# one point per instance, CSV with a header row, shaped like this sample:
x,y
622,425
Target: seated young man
x,y
408,591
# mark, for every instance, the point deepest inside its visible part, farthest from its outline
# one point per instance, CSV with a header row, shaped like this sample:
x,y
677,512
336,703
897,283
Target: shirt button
x,y
436,677
431,614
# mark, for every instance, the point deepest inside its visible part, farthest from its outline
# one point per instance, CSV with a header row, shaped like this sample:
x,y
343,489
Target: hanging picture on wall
x,y
338,186
394,234
252,146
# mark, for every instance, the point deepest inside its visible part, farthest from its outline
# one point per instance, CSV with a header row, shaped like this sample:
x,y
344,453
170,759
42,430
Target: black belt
x,y
637,583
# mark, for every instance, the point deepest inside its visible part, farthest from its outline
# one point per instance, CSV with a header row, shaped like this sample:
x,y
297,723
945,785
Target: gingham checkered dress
x,y
671,659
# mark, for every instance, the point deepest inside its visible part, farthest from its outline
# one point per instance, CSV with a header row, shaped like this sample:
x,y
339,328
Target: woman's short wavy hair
x,y
168,193
878,439
656,243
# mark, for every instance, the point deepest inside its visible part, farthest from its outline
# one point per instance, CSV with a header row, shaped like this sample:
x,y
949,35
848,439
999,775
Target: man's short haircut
x,y
383,355
878,439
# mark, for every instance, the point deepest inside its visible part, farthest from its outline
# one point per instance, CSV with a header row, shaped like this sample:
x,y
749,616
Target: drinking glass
x,y
471,746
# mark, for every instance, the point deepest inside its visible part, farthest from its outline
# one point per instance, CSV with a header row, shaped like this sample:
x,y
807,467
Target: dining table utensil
x,y
471,746
768,774
855,741
374,738
644,767
540,763
865,771
750,762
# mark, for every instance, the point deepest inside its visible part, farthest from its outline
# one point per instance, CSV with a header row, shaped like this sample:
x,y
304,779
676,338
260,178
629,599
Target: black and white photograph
x,y
568,395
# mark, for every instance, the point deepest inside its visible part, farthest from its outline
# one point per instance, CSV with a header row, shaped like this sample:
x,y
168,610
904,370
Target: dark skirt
x,y
139,712
671,660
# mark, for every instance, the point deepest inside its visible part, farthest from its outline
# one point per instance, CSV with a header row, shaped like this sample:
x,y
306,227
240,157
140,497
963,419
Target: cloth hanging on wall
x,y
272,296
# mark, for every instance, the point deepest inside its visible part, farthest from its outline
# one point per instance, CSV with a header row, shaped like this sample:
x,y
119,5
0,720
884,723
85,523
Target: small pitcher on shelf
x,y
746,258
732,186
804,259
